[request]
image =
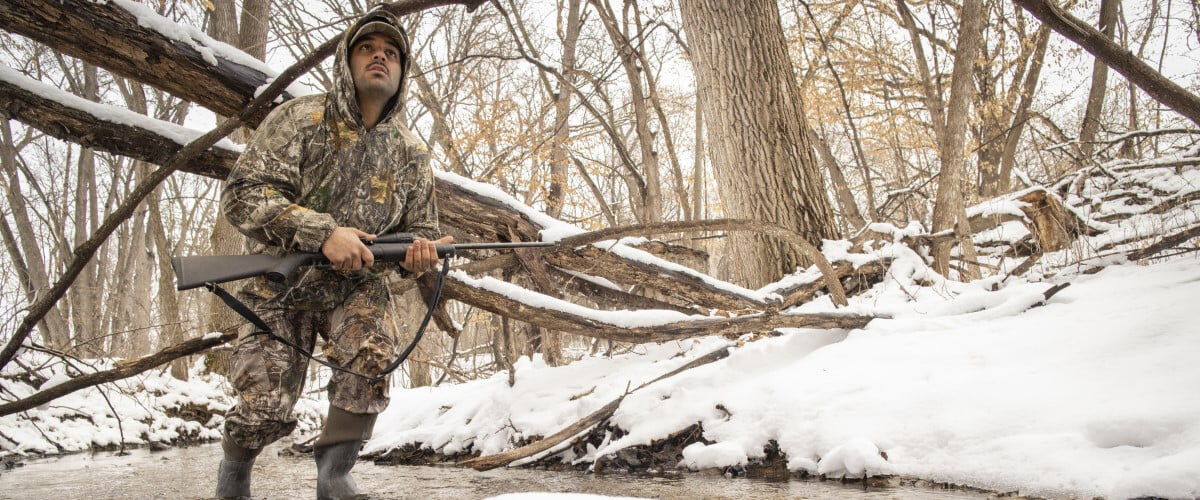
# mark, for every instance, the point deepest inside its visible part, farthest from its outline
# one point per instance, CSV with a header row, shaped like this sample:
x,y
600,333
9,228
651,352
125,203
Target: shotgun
x,y
196,271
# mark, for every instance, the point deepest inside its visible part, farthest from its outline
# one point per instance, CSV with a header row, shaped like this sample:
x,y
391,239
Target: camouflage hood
x,y
343,105
312,166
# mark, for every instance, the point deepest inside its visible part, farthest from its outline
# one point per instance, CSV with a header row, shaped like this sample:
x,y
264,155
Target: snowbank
x,y
1092,394
146,409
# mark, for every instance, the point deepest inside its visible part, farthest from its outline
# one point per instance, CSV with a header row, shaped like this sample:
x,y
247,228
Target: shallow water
x,y
190,473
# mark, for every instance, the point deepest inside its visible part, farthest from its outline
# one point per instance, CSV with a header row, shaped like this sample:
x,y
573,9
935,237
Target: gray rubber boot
x,y
336,451
233,476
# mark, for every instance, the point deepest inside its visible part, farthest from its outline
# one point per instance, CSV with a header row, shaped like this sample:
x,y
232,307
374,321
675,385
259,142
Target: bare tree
x,y
1095,100
949,212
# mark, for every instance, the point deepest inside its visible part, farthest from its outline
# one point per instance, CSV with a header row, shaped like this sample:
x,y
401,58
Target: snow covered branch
x,y
123,370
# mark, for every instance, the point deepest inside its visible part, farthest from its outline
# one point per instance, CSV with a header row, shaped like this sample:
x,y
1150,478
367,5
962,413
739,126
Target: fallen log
x,y
124,369
110,36
811,252
502,459
67,117
460,287
1165,243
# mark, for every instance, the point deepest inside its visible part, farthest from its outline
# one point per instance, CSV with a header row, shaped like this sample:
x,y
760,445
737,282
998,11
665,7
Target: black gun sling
x,y
264,329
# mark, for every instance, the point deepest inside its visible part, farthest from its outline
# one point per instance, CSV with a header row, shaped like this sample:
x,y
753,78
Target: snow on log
x,y
106,128
130,39
642,326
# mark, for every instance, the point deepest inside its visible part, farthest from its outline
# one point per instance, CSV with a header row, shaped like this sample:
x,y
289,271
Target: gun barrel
x,y
498,246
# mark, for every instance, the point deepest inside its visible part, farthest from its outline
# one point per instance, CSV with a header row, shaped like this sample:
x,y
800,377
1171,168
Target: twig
x,y
501,459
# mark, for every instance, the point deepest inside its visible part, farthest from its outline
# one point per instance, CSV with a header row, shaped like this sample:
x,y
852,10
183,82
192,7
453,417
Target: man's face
x,y
375,66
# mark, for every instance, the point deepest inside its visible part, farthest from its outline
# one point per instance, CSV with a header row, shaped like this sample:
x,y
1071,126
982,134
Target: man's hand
x,y
422,256
346,251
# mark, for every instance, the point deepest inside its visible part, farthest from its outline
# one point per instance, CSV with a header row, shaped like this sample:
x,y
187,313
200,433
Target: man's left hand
x,y
422,255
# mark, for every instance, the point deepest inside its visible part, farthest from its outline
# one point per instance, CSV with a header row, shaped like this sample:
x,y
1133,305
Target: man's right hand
x,y
346,251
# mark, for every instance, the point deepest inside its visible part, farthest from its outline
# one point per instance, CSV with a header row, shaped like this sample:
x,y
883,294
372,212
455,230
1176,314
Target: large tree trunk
x,y
949,211
763,158
1095,100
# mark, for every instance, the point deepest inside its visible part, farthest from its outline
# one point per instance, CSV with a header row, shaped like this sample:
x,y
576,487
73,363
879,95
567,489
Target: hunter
x,y
321,174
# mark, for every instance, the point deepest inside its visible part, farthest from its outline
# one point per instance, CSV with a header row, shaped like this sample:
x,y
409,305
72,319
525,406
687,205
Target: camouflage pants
x,y
268,376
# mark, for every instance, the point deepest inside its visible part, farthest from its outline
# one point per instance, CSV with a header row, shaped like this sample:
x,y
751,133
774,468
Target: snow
x,y
206,46
1092,394
112,114
147,410
621,318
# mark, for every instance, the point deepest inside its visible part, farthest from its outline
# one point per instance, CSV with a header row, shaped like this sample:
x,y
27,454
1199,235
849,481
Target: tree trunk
x,y
562,112
251,37
1009,157
1095,100
949,211
764,163
84,294
171,332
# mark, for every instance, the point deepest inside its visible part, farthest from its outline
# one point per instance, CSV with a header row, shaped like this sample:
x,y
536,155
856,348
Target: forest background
x,y
605,114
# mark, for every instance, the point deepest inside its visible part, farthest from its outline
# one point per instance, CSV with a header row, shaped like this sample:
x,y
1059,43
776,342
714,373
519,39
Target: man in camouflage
x,y
321,173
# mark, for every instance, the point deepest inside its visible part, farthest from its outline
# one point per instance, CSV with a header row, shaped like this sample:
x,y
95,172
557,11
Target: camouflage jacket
x,y
312,166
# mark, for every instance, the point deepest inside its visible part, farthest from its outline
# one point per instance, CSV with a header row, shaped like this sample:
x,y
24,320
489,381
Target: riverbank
x,y
986,384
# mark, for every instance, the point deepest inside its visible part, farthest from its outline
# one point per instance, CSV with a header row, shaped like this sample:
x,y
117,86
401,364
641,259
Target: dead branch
x,y
124,369
811,252
1117,57
553,319
1165,243
504,458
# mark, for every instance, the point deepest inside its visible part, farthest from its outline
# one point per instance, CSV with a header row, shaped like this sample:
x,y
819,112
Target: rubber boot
x,y
336,451
233,476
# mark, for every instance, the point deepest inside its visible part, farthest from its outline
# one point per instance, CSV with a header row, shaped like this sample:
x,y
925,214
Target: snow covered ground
x,y
1093,393
151,408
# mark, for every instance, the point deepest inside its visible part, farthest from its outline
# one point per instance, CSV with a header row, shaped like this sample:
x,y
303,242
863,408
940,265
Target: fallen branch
x,y
501,459
1165,243
810,251
124,369
556,319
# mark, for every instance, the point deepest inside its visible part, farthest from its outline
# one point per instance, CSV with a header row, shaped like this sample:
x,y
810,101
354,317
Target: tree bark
x,y
756,128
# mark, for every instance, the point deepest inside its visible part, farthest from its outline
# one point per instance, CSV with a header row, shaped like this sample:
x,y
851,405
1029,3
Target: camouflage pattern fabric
x,y
311,167
268,376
